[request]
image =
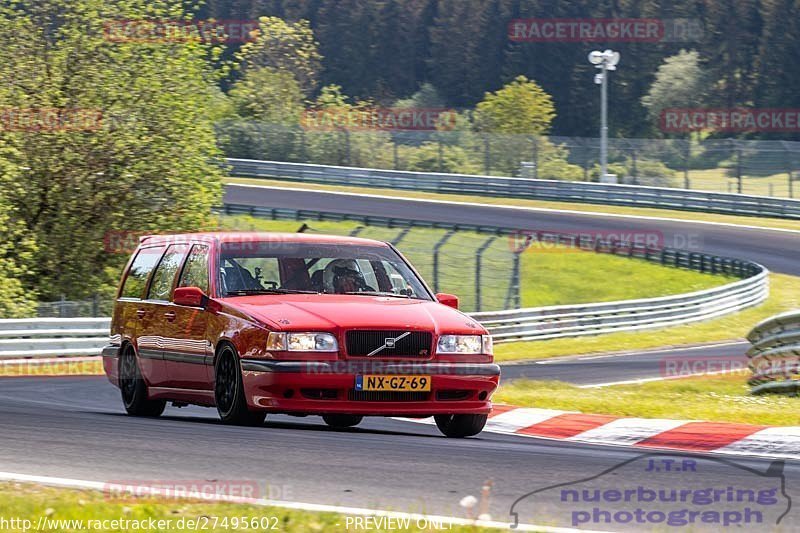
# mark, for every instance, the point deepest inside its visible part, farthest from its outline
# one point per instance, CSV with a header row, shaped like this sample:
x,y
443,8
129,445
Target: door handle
x,y
140,313
170,315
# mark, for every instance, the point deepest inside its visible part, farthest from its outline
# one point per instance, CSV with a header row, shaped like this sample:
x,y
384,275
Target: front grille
x,y
387,396
415,344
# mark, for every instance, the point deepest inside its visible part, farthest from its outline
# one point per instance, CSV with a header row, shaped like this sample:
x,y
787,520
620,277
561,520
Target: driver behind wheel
x,y
343,276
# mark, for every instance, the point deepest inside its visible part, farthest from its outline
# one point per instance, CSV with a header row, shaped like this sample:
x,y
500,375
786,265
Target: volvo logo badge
x,y
389,342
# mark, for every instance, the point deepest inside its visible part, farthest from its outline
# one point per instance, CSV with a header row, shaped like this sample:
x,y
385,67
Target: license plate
x,y
393,383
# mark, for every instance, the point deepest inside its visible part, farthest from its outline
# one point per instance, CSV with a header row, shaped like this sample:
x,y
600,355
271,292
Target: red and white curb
x,y
647,433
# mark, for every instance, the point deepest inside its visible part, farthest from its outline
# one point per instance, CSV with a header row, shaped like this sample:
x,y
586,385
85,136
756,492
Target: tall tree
x,y
117,135
284,46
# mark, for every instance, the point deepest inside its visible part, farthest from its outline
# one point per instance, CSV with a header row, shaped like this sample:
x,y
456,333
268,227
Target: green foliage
x,y
268,95
146,162
287,47
427,97
645,172
680,82
521,107
15,251
433,157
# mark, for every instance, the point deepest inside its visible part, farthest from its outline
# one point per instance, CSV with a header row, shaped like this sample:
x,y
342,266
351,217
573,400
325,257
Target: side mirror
x,y
190,297
450,300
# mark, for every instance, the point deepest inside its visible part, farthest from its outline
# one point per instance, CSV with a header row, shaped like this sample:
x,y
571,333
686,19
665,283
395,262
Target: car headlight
x,y
302,342
464,344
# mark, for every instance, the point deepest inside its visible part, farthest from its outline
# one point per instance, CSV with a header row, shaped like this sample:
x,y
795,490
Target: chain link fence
x,y
767,168
96,306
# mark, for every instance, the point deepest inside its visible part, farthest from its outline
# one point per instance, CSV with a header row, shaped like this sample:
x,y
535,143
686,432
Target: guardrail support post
x,y
436,247
478,257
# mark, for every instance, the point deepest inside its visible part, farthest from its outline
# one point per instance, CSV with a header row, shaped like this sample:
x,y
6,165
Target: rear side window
x,y
195,273
167,270
140,270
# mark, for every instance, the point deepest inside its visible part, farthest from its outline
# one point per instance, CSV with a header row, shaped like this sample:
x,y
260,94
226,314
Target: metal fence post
x,y
535,157
347,147
441,156
478,257
687,157
487,162
514,285
436,247
400,236
789,163
738,169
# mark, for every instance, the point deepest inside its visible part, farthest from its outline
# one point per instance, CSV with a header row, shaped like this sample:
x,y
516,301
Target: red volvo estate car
x,y
257,323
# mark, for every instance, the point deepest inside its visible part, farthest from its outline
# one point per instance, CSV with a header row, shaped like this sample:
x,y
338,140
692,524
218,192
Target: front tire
x,y
342,421
134,389
229,392
459,426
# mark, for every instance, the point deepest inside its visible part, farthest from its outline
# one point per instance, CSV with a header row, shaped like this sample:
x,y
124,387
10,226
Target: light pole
x,y
605,61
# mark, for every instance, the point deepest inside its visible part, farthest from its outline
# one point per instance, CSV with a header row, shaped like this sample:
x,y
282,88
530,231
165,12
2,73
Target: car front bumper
x,y
319,387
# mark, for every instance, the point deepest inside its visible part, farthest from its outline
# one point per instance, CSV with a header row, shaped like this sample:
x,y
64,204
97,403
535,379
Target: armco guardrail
x,y
86,336
775,354
52,337
586,192
629,315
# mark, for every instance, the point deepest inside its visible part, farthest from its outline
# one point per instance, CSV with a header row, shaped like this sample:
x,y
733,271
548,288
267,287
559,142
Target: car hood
x,y
315,312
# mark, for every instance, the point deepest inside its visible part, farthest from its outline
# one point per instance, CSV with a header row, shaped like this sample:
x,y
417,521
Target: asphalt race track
x,y
615,368
75,428
778,251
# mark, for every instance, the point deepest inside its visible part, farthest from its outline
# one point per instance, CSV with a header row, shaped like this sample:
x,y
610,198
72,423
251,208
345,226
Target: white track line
x,y
300,506
660,378
648,351
523,208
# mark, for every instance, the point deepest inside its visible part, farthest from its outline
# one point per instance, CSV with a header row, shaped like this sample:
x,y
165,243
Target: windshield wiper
x,y
379,293
245,292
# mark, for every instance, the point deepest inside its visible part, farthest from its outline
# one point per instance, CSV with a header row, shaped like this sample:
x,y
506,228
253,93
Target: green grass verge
x,y
30,502
721,398
784,296
595,208
550,276
717,179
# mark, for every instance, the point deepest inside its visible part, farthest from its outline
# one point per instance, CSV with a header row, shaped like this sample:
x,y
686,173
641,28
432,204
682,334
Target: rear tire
x,y
342,421
134,389
229,392
459,426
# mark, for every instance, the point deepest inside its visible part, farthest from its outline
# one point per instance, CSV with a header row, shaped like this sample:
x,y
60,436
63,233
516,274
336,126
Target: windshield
x,y
281,267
